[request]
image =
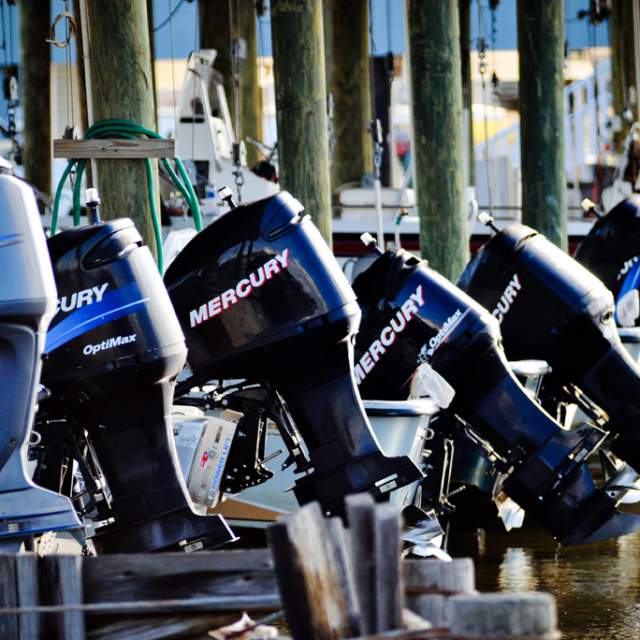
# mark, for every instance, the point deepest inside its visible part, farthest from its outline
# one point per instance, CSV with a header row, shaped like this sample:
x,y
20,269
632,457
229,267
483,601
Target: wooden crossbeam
x,y
113,148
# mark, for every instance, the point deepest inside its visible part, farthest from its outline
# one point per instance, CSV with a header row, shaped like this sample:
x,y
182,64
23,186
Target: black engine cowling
x,y
414,316
550,307
260,297
113,349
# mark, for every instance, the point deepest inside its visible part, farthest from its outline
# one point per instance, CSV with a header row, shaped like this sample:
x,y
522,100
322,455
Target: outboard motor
x,y
113,351
27,304
260,297
611,251
550,307
414,317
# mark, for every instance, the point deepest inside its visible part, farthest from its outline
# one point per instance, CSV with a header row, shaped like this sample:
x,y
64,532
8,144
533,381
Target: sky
x,y
387,27
179,38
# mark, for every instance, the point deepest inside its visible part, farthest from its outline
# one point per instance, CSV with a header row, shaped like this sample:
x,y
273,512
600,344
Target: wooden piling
x,y
250,99
542,117
216,33
122,87
623,75
436,85
217,30
505,615
351,90
35,81
298,52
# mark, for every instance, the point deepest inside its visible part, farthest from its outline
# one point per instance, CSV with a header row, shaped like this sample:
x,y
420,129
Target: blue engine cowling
x,y
112,352
611,249
260,297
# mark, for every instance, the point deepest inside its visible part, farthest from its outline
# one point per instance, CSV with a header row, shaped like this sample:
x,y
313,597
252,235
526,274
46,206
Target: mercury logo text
x,y
397,324
110,343
506,299
81,298
242,289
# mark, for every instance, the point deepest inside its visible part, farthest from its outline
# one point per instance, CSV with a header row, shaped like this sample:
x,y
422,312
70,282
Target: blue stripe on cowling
x,y
631,281
114,304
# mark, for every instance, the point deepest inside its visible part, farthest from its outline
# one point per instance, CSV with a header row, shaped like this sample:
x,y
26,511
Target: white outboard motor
x,y
27,304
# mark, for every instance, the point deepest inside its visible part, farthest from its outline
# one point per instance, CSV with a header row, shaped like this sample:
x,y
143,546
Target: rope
x,y
168,20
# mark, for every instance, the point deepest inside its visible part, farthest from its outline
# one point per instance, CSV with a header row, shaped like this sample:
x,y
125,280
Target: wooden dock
x,y
332,583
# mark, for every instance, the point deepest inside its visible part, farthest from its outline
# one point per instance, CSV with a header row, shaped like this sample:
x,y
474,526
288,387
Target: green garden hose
x,y
127,129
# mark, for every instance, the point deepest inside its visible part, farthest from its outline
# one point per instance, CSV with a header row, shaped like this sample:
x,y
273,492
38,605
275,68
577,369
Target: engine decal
x,y
110,343
397,325
114,305
509,294
81,298
242,289
449,325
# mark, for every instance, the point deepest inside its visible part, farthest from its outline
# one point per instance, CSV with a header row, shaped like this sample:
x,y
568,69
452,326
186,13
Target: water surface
x,y
597,586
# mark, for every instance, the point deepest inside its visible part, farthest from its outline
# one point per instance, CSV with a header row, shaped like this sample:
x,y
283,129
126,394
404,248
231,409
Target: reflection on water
x,y
597,587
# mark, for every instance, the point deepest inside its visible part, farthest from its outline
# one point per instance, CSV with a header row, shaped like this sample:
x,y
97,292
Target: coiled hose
x,y
127,129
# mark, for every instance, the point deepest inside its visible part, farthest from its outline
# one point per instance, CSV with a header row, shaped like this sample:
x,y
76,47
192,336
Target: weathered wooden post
x,y
218,28
622,64
351,90
298,52
121,87
62,579
467,97
216,33
542,117
375,552
35,24
310,578
436,85
504,615
430,585
9,624
250,99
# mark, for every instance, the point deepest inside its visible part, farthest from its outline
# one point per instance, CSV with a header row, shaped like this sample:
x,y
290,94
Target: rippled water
x,y
597,587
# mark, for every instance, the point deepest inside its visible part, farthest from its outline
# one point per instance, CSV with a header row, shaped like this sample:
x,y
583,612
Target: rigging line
x,y
483,68
167,20
591,36
234,39
173,71
12,58
4,37
197,40
388,25
68,63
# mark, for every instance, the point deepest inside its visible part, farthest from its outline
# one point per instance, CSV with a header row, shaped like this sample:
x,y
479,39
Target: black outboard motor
x,y
611,251
412,315
113,349
550,307
260,297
